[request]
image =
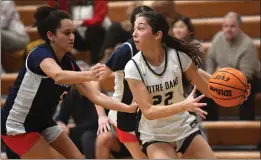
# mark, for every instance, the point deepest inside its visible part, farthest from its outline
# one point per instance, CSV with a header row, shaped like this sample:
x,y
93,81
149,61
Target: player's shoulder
x,y
40,50
171,52
137,57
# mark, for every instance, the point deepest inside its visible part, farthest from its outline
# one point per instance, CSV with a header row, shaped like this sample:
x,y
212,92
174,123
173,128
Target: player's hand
x,y
101,71
104,125
93,76
192,104
248,90
64,127
133,108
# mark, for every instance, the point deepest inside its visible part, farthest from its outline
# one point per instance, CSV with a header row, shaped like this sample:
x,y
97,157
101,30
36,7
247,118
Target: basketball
x,y
228,87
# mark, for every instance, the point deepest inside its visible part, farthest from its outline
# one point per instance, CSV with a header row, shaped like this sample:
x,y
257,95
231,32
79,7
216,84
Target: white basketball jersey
x,y
164,84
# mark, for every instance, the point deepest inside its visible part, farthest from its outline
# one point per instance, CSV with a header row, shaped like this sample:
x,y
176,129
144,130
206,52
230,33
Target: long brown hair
x,y
159,23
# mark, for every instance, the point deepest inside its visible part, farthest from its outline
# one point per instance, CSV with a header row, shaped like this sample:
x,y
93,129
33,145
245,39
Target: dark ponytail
x,y
48,19
192,49
159,23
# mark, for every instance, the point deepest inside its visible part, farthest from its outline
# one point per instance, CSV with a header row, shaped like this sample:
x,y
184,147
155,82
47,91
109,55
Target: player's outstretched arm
x,y
53,70
152,112
102,71
101,99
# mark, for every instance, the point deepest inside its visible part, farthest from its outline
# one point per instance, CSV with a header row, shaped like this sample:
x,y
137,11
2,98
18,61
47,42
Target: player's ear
x,y
158,35
50,36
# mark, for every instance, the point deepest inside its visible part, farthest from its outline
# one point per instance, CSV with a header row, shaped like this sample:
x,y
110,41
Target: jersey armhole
x,y
130,48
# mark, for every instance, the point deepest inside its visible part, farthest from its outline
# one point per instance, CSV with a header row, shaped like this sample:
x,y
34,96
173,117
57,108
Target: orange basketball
x,y
228,87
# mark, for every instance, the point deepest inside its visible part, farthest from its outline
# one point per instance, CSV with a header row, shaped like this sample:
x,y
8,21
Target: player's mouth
x,y
136,42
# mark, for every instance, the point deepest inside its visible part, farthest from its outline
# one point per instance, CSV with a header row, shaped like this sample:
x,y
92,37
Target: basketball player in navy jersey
x,y
154,76
125,123
27,125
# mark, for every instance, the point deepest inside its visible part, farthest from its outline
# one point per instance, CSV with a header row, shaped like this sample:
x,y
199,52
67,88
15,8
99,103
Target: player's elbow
x,y
148,114
58,77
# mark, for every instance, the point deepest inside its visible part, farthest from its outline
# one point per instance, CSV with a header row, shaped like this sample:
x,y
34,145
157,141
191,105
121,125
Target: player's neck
x,y
58,52
155,55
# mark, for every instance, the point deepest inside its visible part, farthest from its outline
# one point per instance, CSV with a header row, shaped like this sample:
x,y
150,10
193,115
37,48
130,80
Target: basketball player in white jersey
x,y
155,76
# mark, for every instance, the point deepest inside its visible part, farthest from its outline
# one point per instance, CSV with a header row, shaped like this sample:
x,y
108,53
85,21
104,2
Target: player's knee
x,y
104,140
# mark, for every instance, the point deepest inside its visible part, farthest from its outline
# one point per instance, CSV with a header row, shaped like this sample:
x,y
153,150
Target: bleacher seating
x,y
30,2
232,132
205,28
237,155
197,9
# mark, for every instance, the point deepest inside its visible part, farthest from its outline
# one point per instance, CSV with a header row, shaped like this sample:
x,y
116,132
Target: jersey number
x,y
158,99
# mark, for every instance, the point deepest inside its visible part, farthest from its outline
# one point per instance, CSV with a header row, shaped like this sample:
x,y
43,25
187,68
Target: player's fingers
x,y
98,70
197,105
108,126
199,110
199,98
193,91
201,115
99,74
104,128
98,131
97,66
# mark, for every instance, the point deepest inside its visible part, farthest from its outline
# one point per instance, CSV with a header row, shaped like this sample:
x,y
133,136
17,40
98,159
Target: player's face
x,y
230,28
142,34
180,30
64,37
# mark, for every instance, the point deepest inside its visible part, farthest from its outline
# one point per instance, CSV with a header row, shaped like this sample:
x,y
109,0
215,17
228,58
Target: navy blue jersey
x,y
34,96
116,62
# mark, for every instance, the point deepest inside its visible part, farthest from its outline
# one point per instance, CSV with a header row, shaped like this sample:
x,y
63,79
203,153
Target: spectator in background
x,y
183,29
231,47
91,22
13,34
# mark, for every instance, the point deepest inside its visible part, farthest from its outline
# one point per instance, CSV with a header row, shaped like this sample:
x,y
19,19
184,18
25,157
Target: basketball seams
x,y
240,101
244,78
227,86
234,76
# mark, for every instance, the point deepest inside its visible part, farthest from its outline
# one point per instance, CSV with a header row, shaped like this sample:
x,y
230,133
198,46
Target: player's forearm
x,y
109,103
72,77
100,110
206,76
162,111
203,84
